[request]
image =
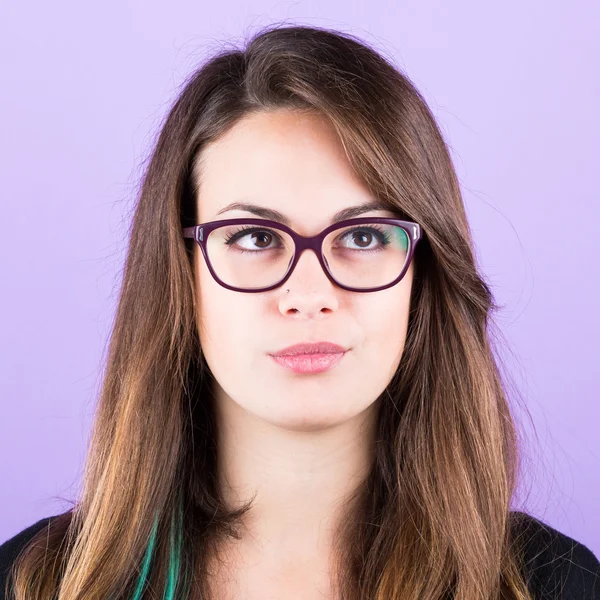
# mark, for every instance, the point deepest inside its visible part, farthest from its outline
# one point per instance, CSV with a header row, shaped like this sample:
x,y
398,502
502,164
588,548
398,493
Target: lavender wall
x,y
515,88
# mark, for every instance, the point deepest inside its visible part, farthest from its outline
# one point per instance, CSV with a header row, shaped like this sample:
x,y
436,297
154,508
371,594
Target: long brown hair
x,y
432,520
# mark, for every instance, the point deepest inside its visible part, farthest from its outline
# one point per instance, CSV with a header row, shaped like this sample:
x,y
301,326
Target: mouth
x,y
310,349
310,363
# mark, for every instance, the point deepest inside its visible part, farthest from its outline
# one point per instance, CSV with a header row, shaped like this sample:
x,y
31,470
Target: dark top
x,y
557,567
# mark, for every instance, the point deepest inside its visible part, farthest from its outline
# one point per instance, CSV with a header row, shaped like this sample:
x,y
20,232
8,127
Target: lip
x,y
310,349
309,363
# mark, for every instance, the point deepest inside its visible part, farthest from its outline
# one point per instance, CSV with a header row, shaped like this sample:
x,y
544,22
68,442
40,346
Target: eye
x,y
368,233
264,236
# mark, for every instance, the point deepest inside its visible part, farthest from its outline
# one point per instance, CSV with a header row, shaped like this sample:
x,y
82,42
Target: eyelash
x,y
383,235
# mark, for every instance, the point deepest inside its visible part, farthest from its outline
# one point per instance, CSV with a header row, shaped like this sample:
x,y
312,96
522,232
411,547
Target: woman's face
x,y
293,163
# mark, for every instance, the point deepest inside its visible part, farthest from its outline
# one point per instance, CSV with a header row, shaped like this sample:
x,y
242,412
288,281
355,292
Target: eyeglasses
x,y
256,255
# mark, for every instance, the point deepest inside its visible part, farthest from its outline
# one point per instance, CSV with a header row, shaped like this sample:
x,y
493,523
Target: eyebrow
x,y
275,215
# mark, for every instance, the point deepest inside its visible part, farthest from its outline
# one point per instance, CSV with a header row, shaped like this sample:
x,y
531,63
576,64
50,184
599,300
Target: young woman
x,y
301,399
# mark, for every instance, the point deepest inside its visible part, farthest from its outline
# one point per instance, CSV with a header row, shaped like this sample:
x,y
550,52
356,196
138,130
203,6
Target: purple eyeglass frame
x,y
201,232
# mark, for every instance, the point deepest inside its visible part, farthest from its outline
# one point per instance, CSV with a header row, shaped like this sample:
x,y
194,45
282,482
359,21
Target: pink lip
x,y
314,348
309,363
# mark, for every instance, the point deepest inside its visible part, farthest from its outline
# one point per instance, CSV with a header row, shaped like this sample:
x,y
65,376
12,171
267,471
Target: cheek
x,y
216,315
384,328
224,323
388,335
385,316
213,310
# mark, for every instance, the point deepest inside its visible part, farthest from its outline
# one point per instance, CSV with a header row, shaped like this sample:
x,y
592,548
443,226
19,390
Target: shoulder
x,y
556,565
11,548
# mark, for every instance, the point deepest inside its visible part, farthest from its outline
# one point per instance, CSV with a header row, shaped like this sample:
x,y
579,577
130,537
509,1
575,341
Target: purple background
x,y
515,88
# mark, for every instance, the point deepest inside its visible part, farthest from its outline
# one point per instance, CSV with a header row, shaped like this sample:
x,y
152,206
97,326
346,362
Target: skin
x,y
303,442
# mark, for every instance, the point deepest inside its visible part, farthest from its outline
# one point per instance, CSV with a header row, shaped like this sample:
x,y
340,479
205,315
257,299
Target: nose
x,y
307,269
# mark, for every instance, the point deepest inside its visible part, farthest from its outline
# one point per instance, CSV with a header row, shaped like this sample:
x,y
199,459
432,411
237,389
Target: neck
x,y
302,480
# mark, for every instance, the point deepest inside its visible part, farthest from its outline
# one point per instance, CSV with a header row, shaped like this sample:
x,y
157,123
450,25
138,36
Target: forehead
x,y
288,161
